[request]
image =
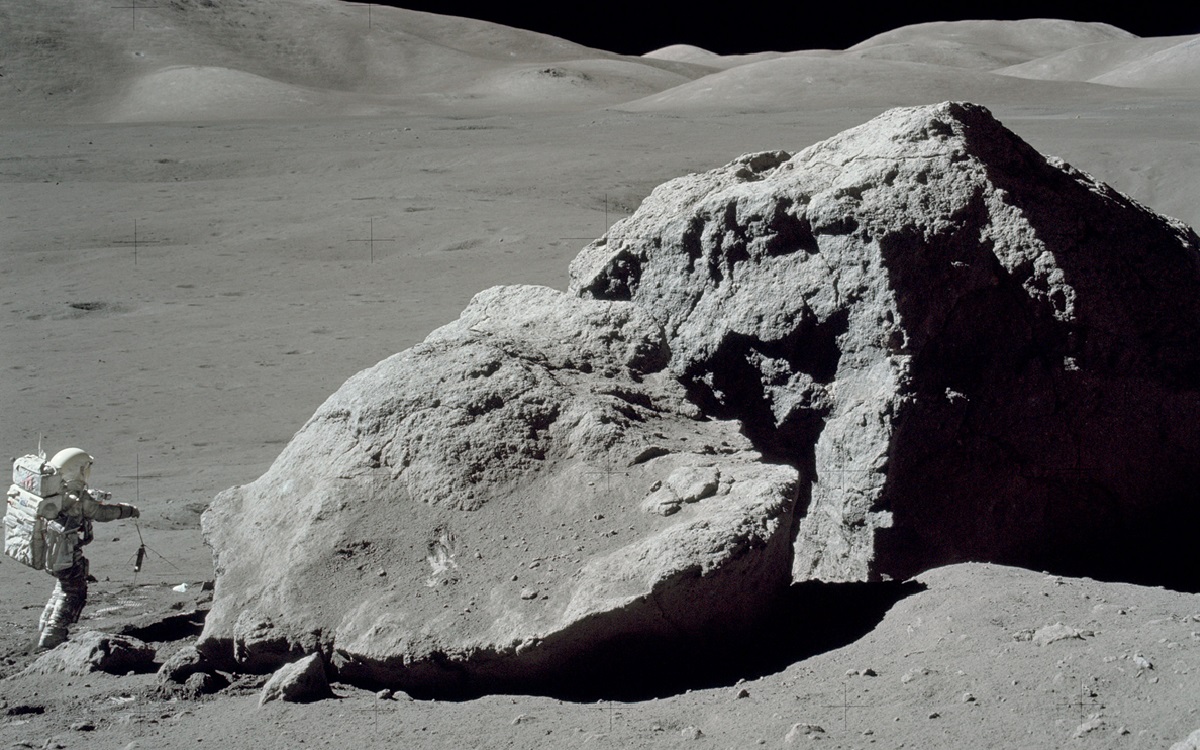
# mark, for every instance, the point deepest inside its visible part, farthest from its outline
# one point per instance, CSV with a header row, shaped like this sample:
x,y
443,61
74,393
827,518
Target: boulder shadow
x,y
809,619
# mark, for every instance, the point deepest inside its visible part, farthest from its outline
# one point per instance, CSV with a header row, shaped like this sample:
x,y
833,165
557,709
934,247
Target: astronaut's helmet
x,y
74,466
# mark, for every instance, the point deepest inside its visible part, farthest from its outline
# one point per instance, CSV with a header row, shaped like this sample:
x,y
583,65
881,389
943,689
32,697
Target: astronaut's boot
x,y
51,637
65,605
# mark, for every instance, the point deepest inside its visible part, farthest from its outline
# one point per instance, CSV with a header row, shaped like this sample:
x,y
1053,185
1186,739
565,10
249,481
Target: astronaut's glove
x,y
130,511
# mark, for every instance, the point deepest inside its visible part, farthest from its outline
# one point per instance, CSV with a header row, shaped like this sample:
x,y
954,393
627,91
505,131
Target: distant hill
x,y
211,59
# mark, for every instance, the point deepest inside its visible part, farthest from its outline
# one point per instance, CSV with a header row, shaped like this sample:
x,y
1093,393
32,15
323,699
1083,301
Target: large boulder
x,y
916,343
474,512
972,351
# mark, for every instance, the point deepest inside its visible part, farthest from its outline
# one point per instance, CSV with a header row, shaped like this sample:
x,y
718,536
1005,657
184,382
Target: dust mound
x,y
916,343
182,93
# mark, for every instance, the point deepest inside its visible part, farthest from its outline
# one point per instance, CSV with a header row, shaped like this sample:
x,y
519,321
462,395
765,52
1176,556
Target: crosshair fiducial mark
x,y
368,13
137,242
607,226
1083,701
846,705
372,239
133,8
608,707
839,469
608,473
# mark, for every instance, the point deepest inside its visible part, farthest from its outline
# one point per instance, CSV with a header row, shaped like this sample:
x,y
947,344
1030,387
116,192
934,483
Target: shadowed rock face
x,y
916,343
976,352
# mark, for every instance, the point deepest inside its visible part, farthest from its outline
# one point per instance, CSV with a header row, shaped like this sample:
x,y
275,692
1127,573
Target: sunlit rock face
x,y
525,485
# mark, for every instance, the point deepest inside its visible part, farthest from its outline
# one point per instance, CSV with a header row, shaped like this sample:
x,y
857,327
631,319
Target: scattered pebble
x,y
968,698
1090,725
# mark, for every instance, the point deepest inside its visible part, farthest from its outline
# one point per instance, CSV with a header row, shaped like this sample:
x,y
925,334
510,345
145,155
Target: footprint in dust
x,y
441,550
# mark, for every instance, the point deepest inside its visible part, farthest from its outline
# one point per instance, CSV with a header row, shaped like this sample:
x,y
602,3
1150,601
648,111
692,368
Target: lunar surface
x,y
215,212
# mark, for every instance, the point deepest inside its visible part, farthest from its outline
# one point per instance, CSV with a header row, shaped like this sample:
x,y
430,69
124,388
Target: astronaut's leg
x,y
65,605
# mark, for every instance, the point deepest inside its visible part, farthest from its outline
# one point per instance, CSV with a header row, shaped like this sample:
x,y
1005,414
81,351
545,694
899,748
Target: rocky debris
x,y
1142,662
202,683
690,733
530,431
974,352
687,484
1093,723
93,651
1048,634
1191,742
188,674
181,665
800,731
302,681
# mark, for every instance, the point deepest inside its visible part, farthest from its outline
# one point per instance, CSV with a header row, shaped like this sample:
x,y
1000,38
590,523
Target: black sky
x,y
755,25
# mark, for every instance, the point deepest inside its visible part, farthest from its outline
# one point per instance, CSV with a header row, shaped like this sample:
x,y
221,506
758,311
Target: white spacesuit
x,y
65,560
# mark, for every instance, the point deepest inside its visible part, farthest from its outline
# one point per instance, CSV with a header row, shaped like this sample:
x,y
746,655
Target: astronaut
x,y
65,560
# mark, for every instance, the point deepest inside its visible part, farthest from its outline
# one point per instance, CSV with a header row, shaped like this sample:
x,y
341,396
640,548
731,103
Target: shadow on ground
x,y
809,619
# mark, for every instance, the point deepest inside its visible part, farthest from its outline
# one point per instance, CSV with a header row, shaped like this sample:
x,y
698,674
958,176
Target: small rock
x,y
83,726
203,683
800,731
968,698
743,693
934,715
522,719
299,682
868,672
181,665
1091,725
384,695
690,733
1142,662
93,651
528,594
1057,632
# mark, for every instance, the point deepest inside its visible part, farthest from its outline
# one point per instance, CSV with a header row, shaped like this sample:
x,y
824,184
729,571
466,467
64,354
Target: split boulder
x,y
918,342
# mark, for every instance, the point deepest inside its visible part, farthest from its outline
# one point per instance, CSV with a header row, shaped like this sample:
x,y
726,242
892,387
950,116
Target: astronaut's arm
x,y
97,507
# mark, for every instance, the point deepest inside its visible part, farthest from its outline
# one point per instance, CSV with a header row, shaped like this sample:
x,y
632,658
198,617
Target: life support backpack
x,y
34,502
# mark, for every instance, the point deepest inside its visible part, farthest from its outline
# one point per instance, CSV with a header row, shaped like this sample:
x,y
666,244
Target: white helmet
x,y
74,466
